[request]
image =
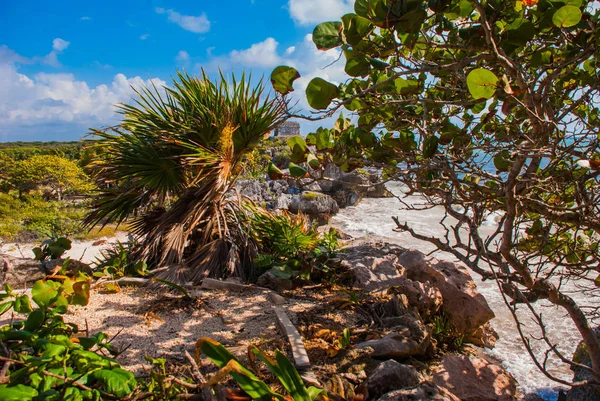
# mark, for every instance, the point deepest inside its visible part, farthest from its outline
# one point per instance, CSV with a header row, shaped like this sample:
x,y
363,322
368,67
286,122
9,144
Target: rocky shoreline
x,y
320,198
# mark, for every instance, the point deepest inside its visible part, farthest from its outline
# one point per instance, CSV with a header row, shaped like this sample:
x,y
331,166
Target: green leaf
x,y
38,254
297,171
35,320
247,381
327,35
45,293
116,381
406,86
502,161
567,16
356,65
282,79
430,146
283,272
482,83
313,161
22,304
17,393
290,378
274,172
356,28
320,93
5,307
81,294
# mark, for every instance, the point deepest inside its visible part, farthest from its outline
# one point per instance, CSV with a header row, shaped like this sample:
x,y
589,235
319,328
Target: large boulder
x,y
391,375
314,204
20,272
364,184
425,297
268,280
373,270
424,392
474,379
409,337
346,197
466,308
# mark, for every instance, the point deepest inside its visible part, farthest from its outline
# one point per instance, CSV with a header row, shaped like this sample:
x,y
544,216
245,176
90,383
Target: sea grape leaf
x,y
283,77
17,393
297,171
22,304
320,93
328,35
482,83
116,381
567,16
45,293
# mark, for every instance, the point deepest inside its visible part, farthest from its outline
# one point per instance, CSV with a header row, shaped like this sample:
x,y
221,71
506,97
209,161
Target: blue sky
x,y
64,64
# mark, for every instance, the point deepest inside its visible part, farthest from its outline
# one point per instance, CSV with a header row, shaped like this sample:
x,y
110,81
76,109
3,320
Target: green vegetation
x,y
48,359
289,246
32,217
35,178
172,161
257,389
482,106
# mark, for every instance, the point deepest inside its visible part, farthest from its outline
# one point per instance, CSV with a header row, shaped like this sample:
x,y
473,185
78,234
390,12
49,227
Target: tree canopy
x,y
482,107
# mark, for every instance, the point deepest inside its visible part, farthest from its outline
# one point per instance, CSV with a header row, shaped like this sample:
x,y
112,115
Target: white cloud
x,y
263,54
182,56
199,24
290,50
44,100
85,18
59,44
306,12
144,36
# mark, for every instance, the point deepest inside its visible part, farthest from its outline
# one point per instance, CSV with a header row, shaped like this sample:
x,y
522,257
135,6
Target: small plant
x,y
445,333
117,262
257,389
53,248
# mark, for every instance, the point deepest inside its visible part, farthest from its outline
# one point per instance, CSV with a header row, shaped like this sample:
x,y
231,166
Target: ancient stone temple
x,y
287,129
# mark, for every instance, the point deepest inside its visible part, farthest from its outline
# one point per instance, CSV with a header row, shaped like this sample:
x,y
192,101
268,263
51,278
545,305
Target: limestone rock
x,y
424,392
391,375
253,189
313,204
73,267
20,272
425,297
282,202
373,269
268,280
474,379
409,337
467,309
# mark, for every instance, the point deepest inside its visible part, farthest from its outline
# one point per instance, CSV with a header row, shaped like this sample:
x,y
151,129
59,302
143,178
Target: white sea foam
x,y
373,216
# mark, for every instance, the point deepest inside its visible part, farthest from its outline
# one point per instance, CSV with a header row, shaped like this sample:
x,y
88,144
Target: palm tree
x,y
173,161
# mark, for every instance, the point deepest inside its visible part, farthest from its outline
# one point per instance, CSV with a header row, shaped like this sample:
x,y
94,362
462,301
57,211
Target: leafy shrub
x,y
47,361
53,248
40,218
289,245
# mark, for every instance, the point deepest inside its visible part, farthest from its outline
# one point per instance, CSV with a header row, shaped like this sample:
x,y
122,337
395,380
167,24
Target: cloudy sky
x,y
64,64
